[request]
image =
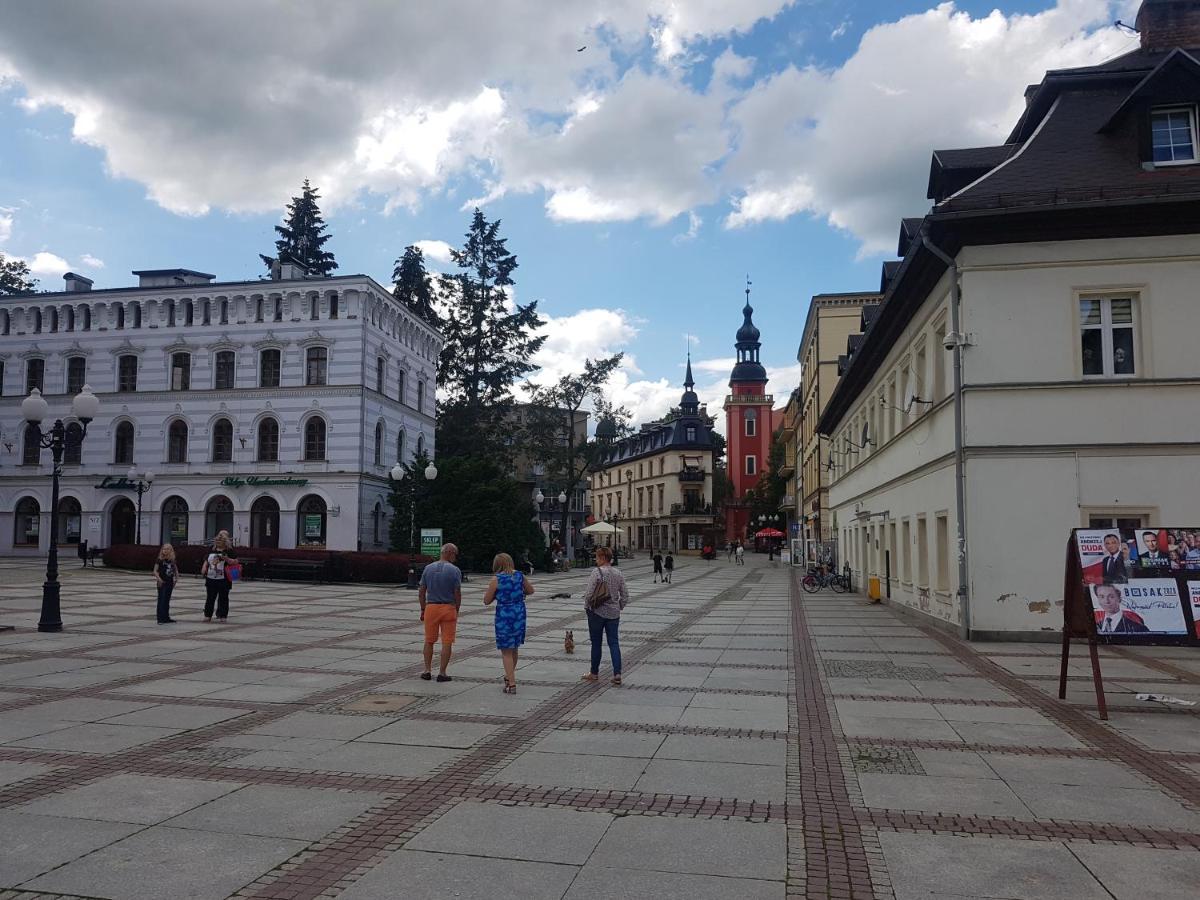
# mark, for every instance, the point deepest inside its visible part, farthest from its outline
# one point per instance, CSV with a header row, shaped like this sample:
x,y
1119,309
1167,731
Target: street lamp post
x,y
398,472
34,410
143,485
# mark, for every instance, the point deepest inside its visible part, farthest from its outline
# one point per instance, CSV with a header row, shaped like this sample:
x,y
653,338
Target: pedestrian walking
x,y
440,596
728,551
740,554
669,565
216,577
658,567
508,589
166,573
603,600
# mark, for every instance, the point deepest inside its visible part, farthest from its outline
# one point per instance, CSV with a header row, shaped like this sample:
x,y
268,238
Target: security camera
x,y
950,340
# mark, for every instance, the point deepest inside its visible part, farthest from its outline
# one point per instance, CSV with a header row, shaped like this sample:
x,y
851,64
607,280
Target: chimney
x,y
1167,24
76,283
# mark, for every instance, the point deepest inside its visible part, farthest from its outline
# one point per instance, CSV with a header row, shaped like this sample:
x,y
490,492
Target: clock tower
x,y
748,424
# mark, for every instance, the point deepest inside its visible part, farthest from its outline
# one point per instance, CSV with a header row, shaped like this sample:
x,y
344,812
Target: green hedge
x,y
342,565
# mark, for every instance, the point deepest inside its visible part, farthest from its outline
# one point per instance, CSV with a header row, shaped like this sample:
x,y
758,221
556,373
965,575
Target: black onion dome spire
x,y
748,368
689,404
606,431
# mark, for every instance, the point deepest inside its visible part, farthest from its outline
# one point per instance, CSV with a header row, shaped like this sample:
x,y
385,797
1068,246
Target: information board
x,y
431,542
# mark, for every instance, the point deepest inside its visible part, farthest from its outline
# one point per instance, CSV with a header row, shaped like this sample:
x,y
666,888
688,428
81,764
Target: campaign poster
x,y
1105,555
1151,606
1183,548
1152,546
1194,594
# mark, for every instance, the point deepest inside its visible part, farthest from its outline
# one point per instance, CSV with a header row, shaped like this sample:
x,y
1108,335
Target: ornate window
x,y
222,441
76,374
123,444
224,367
73,446
181,371
268,440
31,452
314,439
35,375
379,443
268,368
177,442
316,366
127,372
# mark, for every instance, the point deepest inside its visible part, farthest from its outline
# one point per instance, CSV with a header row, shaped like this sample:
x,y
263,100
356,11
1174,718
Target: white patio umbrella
x,y
600,528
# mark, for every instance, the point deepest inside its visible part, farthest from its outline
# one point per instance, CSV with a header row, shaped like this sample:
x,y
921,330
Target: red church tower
x,y
748,424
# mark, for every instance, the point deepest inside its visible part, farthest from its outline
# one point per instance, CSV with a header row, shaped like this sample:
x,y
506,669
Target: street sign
x,y
431,541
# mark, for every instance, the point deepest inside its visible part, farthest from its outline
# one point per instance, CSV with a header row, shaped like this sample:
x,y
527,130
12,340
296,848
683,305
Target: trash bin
x,y
873,590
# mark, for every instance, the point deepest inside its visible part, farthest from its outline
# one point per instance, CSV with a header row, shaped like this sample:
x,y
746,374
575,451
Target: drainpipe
x,y
960,483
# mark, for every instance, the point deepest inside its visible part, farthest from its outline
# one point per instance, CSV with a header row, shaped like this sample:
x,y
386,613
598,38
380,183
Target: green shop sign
x,y
119,483
236,481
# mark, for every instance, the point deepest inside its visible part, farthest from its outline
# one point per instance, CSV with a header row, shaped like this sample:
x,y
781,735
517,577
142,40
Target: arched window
x,y
177,441
37,321
170,313
222,441
73,445
316,366
420,444
27,523
400,388
377,522
188,312
31,453
314,439
379,443
277,309
35,375
70,521
268,368
751,418
333,305
218,516
380,373
314,307
224,368
120,316
86,313
181,371
54,320
5,323
69,313
76,374
400,446
137,315
175,521
264,522
206,313
268,440
420,396
224,312
258,309
127,372
123,445
310,525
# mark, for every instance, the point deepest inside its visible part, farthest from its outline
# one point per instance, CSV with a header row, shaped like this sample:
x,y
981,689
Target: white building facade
x,y
1077,404
272,409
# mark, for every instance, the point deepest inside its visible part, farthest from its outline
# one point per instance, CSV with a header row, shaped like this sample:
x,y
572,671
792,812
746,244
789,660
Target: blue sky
x,y
639,181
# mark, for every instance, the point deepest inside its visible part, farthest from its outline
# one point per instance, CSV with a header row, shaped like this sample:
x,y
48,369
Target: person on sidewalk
x,y
603,601
440,595
740,553
508,588
658,567
216,583
669,565
166,573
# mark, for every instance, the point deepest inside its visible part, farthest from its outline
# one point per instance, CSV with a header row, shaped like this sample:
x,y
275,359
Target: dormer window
x,y
1173,135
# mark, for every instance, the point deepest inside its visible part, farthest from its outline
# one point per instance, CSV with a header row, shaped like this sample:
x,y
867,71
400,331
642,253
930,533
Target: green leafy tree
x,y
552,437
14,278
488,343
302,238
478,506
413,286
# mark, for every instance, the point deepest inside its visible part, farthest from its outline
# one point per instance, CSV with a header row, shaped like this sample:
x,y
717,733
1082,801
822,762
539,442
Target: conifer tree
x,y
14,277
302,238
413,286
489,341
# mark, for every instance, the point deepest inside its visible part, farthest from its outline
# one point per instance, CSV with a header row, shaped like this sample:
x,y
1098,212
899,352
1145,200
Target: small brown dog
x,y
569,641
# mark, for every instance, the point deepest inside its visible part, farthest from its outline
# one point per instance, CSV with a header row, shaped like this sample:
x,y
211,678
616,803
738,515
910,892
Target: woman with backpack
x,y
603,601
217,581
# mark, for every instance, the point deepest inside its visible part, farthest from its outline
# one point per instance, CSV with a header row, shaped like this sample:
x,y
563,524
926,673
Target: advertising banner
x,y
312,526
1194,594
431,541
1146,606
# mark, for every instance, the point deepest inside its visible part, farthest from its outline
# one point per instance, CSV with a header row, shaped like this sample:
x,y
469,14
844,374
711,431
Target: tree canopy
x,y
302,237
15,278
413,286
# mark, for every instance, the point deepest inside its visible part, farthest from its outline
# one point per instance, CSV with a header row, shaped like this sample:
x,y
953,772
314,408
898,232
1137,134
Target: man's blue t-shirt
x,y
440,580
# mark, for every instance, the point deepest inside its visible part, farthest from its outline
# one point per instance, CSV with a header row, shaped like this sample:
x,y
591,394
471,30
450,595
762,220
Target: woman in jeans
x,y
216,585
604,614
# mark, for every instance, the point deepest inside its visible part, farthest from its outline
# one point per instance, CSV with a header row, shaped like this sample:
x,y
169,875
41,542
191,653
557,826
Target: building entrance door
x,y
264,523
122,522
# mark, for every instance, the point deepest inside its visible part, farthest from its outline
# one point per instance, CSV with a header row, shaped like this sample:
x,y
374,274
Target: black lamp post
x,y
34,409
398,472
141,486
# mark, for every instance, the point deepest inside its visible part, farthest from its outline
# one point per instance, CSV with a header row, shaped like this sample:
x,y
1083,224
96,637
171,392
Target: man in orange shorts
x,y
440,596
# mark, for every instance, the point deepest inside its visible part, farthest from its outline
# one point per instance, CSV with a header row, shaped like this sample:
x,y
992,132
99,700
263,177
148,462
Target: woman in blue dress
x,y
508,588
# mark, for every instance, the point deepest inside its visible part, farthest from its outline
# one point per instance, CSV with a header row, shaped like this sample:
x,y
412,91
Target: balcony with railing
x,y
690,473
695,508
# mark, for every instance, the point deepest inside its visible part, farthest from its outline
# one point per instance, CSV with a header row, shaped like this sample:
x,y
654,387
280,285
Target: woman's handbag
x,y
233,571
599,596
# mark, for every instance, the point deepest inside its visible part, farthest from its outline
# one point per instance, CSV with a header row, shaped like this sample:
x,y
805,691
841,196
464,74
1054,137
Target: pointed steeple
x,y
689,403
688,381
748,368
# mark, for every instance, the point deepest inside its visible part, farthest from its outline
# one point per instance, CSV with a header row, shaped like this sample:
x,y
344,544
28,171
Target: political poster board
x,y
1132,587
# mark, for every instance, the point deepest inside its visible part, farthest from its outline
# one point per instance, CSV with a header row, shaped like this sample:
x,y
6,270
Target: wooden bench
x,y
293,569
88,555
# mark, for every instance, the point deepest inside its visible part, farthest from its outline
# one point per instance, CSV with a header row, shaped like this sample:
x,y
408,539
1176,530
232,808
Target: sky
x,y
646,157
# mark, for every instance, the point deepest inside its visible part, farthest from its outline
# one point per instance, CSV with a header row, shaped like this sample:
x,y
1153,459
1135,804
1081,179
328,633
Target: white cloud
x,y
48,264
686,21
91,262
852,145
438,251
6,223
693,229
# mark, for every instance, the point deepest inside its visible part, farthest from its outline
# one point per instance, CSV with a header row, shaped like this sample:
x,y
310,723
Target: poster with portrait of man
x,y
1105,555
1152,544
1194,596
1150,606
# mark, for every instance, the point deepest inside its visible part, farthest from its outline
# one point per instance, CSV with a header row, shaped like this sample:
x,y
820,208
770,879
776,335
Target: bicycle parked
x,y
817,579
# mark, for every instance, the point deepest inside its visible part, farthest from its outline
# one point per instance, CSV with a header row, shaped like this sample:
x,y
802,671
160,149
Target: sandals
x,y
590,677
509,687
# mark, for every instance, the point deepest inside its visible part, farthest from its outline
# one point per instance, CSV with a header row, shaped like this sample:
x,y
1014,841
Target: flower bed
x,y
341,565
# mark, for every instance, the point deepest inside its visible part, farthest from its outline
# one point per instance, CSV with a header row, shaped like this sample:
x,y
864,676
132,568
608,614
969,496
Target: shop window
x,y
218,517
175,521
70,521
311,518
27,523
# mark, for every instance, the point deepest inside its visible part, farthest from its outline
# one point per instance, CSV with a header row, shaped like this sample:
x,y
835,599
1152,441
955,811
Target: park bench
x,y
295,569
88,555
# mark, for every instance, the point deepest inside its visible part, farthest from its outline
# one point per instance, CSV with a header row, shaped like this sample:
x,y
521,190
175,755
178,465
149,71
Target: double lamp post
x,y
398,474
35,409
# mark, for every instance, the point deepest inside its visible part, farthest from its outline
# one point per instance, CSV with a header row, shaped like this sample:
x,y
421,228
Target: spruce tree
x,y
14,278
413,286
489,342
301,239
